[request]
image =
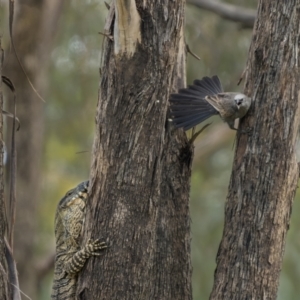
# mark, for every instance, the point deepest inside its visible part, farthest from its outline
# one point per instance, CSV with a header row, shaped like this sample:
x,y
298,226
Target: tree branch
x,y
245,16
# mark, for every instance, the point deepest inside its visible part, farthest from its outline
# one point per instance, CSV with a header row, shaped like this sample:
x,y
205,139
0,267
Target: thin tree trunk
x,y
265,171
34,28
140,175
3,224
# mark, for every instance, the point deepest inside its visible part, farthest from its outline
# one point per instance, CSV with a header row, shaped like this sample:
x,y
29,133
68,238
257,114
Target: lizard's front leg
x,y
75,264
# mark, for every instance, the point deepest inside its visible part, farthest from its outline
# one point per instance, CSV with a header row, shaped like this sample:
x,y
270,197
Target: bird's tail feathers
x,y
187,113
189,107
189,122
207,86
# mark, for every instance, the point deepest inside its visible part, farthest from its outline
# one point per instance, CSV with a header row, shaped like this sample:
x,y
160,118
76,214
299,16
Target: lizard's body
x,y
70,257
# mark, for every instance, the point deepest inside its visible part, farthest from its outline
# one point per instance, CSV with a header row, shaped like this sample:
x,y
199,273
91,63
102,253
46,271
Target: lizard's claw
x,y
93,246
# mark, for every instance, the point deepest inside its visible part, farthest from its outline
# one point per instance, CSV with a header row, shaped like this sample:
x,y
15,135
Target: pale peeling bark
x,y
127,32
140,175
180,68
265,171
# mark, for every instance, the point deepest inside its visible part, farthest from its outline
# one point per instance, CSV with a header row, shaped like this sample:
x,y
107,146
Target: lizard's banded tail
x,y
189,107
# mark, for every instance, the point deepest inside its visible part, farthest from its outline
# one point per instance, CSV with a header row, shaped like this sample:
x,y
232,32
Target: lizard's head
x,y
71,210
74,196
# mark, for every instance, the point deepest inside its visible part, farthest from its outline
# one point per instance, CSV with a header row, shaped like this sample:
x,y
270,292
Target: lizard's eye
x,y
69,192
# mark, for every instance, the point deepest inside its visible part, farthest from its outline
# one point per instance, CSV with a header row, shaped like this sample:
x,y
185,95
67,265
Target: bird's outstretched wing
x,y
189,107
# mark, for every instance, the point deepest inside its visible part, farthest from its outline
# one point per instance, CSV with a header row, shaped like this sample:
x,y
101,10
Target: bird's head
x,y
243,103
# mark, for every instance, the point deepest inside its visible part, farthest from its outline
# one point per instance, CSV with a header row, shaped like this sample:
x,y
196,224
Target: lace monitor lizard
x,y
70,257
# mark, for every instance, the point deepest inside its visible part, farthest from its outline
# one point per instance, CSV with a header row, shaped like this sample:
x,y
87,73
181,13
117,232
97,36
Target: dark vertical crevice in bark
x,y
140,175
265,172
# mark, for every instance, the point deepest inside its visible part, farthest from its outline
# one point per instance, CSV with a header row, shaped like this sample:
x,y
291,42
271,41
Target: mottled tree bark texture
x,y
140,175
265,172
3,271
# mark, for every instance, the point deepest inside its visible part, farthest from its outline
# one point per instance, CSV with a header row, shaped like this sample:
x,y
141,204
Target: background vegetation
x,y
69,113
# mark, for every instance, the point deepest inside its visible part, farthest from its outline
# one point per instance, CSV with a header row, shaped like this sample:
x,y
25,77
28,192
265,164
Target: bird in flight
x,y
205,98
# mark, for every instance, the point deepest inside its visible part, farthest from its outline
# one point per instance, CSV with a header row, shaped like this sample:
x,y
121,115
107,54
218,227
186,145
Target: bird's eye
x,y
239,101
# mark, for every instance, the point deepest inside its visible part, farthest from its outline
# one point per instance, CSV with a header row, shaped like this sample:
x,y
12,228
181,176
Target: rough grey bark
x,y
140,175
3,224
34,28
265,171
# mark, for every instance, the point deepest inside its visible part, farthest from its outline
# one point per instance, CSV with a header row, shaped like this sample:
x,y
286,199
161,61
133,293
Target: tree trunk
x,y
265,171
140,175
3,224
36,21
